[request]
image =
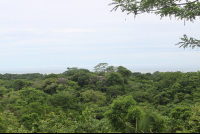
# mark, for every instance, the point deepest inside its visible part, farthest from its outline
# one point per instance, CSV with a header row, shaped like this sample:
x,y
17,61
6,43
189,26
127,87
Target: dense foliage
x,y
110,99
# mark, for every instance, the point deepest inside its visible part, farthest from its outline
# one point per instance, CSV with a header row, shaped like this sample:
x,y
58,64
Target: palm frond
x,y
144,124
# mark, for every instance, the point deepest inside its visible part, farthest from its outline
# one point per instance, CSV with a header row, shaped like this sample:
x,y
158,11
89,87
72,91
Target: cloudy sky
x,y
47,36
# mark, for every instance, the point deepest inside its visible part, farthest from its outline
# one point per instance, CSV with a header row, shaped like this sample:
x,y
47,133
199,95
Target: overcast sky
x,y
47,36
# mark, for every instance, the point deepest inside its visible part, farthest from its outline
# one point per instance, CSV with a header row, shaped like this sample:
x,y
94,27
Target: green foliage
x,y
135,74
157,76
64,100
161,102
19,84
115,90
144,124
101,84
71,71
9,99
132,86
100,68
115,79
110,69
125,116
169,79
148,74
4,78
74,70
25,101
126,110
49,85
29,119
31,95
141,77
181,113
73,84
65,124
7,121
34,107
187,41
178,118
157,122
51,76
141,96
193,123
93,97
124,71
4,90
83,78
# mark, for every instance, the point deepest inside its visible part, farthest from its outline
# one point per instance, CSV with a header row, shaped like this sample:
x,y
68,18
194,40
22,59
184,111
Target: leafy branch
x,y
193,42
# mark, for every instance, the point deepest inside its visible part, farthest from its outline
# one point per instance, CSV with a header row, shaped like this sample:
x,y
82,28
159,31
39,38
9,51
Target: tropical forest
x,y
108,100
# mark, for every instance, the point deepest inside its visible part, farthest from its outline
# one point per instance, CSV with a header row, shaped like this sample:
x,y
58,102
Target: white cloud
x,y
35,31
71,30
17,31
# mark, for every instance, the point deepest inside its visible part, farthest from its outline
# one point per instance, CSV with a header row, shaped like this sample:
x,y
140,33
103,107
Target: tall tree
x,y
188,11
100,68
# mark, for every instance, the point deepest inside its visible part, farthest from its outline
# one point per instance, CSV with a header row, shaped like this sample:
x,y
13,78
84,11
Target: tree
x,y
29,119
62,123
135,74
141,77
52,75
124,111
62,81
83,78
193,124
115,79
100,68
93,97
124,71
73,84
31,95
4,78
115,90
70,71
7,119
148,74
19,84
64,100
187,11
110,69
179,116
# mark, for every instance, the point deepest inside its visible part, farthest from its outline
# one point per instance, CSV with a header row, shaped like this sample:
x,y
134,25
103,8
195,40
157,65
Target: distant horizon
x,y
61,71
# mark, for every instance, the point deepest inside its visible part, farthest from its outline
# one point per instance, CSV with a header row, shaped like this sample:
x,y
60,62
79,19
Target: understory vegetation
x,y
110,99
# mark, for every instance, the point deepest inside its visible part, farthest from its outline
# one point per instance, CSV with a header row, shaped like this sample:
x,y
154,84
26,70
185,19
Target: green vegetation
x,y
110,99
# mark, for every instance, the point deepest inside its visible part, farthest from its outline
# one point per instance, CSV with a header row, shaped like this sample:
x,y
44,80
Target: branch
x,y
186,3
164,7
193,42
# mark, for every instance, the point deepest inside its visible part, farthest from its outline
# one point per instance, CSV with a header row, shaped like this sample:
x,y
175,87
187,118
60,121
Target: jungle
x,y
108,100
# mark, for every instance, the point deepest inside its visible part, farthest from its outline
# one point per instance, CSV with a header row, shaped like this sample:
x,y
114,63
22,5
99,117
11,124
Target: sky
x,y
47,36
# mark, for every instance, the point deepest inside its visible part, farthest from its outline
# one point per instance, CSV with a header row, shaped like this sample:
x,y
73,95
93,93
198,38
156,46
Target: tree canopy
x,y
111,100
187,11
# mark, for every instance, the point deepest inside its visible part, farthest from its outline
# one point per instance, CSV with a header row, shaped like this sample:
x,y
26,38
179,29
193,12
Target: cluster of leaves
x,y
28,76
